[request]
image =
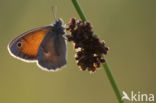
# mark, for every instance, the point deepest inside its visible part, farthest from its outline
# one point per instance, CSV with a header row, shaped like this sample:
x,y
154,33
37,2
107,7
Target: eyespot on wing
x,y
30,42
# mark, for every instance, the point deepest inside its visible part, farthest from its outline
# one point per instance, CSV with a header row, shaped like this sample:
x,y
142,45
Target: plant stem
x,y
112,81
106,64
79,10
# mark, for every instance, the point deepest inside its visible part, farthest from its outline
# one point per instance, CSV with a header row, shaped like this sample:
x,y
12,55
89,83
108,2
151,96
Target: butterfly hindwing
x,y
52,51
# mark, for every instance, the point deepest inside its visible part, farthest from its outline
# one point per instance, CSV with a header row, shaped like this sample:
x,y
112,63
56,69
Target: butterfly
x,y
45,45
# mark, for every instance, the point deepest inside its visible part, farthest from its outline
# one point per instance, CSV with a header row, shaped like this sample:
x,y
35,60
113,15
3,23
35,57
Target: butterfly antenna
x,y
54,11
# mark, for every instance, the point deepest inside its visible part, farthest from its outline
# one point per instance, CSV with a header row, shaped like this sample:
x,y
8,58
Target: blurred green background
x,y
128,28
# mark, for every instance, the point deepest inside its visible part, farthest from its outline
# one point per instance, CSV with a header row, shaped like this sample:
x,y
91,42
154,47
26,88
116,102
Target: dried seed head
x,y
89,49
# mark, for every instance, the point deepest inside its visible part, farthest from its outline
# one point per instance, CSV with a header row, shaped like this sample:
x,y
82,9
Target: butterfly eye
x,y
19,44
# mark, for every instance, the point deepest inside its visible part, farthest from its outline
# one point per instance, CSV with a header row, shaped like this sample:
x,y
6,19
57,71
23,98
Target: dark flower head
x,y
89,49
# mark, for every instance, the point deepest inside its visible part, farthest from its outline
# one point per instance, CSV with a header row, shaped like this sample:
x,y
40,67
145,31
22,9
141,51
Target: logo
x,y
138,96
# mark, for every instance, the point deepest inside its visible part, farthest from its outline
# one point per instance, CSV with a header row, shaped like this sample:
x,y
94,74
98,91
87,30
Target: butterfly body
x,y
46,45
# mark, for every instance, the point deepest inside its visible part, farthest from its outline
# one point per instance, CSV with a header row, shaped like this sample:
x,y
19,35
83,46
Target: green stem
x,y
112,81
79,10
106,64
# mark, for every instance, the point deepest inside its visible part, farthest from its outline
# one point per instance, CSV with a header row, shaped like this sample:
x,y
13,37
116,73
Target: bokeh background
x,y
128,28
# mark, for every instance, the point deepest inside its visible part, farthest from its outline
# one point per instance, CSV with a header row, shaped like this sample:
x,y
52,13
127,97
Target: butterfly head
x,y
58,27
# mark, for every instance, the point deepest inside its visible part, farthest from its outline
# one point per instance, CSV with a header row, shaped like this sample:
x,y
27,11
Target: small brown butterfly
x,y
44,45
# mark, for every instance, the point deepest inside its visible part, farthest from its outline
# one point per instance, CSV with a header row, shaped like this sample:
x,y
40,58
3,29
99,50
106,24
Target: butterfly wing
x,y
52,51
26,45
